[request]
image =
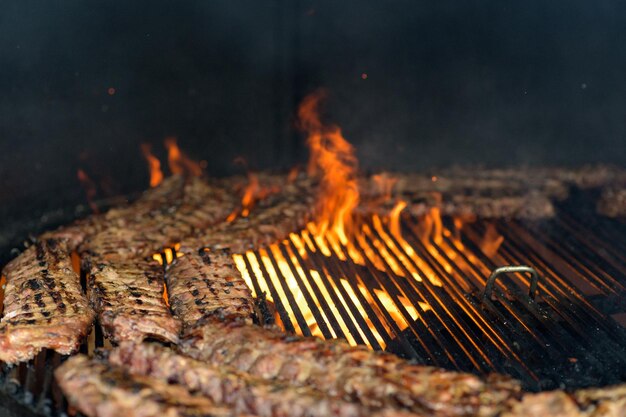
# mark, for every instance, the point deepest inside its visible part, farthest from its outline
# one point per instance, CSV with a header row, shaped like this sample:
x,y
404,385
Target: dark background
x,y
415,85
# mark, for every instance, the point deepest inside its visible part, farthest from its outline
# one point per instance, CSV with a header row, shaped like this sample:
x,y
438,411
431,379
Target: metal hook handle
x,y
534,279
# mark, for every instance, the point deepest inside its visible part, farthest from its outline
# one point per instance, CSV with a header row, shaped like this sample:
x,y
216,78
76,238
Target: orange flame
x,y
253,193
249,194
180,163
156,175
90,189
332,158
166,298
491,241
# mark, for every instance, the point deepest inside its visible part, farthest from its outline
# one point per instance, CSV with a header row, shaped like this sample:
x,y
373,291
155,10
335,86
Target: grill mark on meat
x,y
372,378
40,285
242,391
128,298
141,232
206,283
102,390
271,220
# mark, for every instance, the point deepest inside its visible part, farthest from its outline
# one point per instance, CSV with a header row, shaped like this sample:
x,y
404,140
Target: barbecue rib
x,y
143,229
206,283
604,402
128,299
374,379
44,306
242,391
165,195
100,390
272,220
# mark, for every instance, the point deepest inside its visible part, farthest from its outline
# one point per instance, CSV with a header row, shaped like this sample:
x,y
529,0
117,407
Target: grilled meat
x,y
165,195
206,283
272,220
44,306
373,379
466,193
101,390
128,299
612,202
603,402
242,391
140,234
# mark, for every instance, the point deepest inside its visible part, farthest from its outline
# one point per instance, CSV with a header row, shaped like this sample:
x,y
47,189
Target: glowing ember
x,y
90,189
156,175
179,163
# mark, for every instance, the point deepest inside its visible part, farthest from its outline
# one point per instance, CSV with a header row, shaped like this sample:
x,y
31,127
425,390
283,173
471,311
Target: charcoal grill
x,y
437,298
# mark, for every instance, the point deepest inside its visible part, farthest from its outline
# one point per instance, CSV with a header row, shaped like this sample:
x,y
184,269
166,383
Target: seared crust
x,y
242,391
146,227
371,378
166,194
44,306
597,402
272,220
101,390
128,299
207,283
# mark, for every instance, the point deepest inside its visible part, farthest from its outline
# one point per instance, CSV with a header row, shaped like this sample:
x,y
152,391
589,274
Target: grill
x,y
546,306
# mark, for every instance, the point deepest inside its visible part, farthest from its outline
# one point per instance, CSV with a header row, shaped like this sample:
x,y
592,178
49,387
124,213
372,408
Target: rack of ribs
x,y
44,306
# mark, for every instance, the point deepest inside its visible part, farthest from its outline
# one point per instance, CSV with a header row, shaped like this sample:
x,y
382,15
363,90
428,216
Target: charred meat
x,y
206,283
140,233
272,220
371,378
240,390
100,390
44,306
128,299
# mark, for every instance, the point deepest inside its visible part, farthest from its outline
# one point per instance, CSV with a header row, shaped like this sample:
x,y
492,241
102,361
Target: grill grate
x,y
419,294
382,296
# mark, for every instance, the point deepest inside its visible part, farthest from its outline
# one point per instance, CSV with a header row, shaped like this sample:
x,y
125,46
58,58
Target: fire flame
x,y
253,193
90,189
429,252
491,241
332,157
179,163
154,165
251,190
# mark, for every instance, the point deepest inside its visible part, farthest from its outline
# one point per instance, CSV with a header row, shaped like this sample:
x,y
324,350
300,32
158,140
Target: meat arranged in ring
x,y
44,306
206,283
371,378
128,299
98,389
